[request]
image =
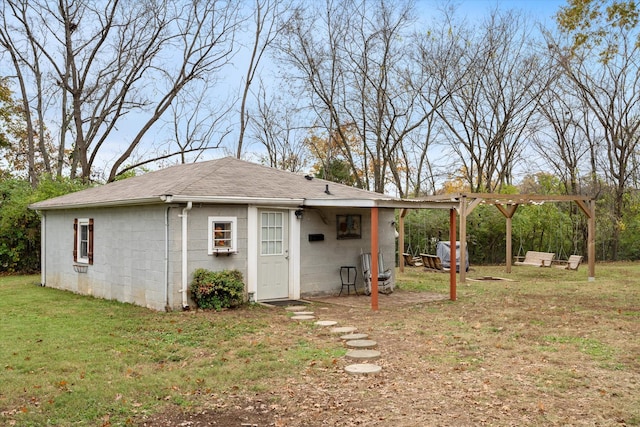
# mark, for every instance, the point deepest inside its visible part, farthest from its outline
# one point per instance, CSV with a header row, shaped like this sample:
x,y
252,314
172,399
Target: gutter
x,y
170,198
44,206
185,246
231,200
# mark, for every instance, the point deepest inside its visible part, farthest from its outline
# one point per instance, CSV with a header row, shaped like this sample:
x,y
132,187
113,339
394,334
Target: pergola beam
x,y
507,204
464,204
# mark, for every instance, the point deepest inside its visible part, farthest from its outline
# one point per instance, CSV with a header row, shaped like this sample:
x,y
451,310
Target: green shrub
x,y
19,225
217,289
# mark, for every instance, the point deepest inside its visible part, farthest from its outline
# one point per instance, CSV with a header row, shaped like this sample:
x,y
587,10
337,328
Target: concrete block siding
x,y
130,246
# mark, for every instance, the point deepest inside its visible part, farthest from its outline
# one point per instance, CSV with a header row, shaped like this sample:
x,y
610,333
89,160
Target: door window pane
x,y
272,233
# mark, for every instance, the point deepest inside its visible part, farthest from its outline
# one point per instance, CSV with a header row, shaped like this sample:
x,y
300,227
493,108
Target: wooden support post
x,y
588,207
509,248
374,259
591,241
463,239
452,254
466,208
403,212
508,213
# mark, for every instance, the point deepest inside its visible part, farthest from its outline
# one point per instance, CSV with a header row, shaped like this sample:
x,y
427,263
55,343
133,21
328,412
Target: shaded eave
x,y
509,199
372,203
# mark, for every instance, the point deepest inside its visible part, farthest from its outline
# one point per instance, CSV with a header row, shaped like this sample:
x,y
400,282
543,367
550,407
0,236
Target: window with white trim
x,y
272,236
83,240
222,234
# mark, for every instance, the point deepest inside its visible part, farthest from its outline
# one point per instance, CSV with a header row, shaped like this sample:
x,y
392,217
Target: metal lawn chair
x,y
385,277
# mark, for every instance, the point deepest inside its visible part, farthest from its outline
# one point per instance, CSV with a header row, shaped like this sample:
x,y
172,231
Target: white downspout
x,y
185,278
167,306
43,249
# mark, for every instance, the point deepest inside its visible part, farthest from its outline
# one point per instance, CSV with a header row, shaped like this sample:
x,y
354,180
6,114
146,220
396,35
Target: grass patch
x,y
546,348
76,360
590,347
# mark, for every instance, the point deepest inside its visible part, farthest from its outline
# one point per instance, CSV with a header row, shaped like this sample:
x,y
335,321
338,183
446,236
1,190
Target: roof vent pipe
x,y
326,189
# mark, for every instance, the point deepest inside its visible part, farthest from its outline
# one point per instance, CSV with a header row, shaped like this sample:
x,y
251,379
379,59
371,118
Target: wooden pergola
x,y
404,205
507,204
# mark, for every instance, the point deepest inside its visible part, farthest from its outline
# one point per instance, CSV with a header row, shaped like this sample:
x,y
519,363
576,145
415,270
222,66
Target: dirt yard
x,y
536,351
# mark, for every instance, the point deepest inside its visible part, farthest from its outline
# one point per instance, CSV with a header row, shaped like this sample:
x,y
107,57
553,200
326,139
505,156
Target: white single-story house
x,y
140,239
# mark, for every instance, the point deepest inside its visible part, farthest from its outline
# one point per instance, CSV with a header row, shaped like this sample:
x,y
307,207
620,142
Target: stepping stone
x,y
350,337
343,330
303,317
361,344
363,354
303,313
295,308
363,369
326,322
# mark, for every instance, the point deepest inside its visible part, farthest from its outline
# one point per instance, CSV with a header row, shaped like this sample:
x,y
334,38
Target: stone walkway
x,y
361,349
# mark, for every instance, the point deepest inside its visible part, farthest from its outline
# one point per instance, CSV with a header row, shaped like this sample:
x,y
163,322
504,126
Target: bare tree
x,y
438,50
610,87
352,59
266,18
490,117
192,127
108,60
311,60
274,127
24,55
383,104
567,142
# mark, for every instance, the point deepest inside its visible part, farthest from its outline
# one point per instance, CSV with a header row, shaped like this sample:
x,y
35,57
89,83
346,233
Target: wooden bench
x,y
572,263
432,262
412,261
537,259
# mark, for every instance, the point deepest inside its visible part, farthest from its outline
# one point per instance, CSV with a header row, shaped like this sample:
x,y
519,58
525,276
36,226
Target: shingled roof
x,y
225,180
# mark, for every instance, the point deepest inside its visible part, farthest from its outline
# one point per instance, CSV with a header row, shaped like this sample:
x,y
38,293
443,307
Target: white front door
x,y
273,255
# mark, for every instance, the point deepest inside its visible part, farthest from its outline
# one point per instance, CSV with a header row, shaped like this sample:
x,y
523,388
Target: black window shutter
x,y
90,254
75,240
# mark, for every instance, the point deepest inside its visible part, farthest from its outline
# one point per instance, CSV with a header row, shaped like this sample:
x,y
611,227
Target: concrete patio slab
x,y
398,298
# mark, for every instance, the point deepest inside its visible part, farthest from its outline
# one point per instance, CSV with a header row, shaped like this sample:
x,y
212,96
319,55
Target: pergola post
x,y
591,247
466,208
463,240
374,259
452,249
403,213
508,213
588,207
509,245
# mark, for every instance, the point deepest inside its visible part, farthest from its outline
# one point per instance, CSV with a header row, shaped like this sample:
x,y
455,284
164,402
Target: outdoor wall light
x,y
299,213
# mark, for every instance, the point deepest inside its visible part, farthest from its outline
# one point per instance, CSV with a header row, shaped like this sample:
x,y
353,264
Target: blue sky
x,y
539,9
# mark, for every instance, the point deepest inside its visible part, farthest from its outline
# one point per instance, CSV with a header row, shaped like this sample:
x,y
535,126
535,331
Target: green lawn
x,y
75,360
